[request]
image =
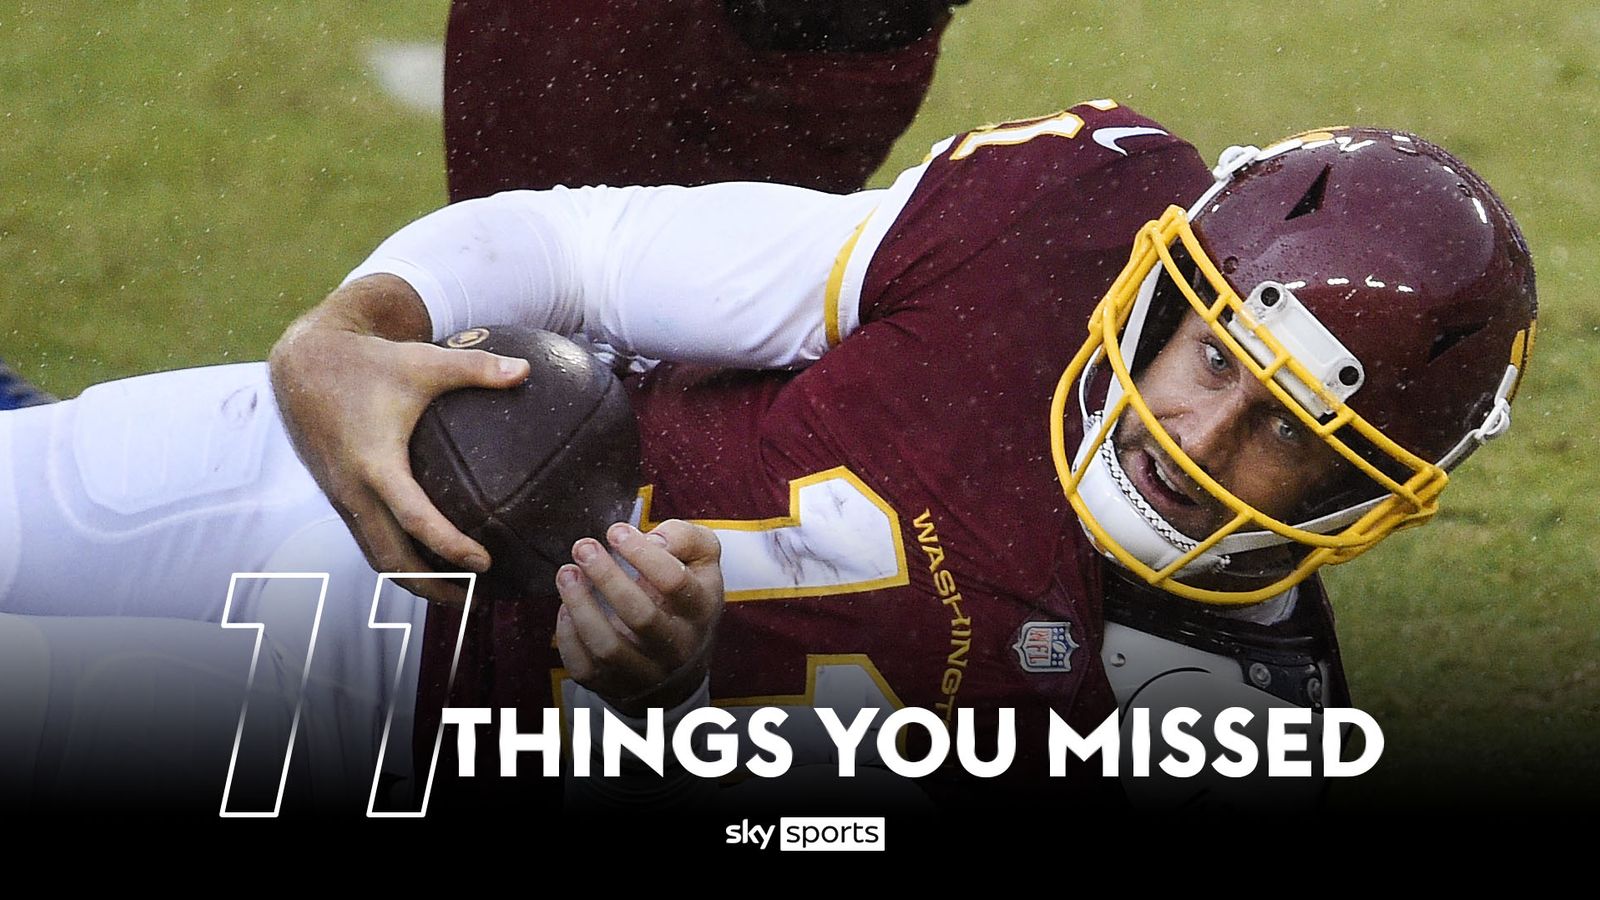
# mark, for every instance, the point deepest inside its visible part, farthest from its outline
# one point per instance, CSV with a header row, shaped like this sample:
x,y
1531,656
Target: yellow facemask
x,y
1287,350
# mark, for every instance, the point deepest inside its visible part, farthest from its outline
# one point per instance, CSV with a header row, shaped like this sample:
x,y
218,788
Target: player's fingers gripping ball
x,y
529,470
641,638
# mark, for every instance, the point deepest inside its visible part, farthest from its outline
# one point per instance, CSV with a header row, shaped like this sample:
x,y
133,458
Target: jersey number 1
x,y
839,537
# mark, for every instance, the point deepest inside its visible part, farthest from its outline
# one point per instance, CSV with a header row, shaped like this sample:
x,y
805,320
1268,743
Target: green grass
x,y
179,182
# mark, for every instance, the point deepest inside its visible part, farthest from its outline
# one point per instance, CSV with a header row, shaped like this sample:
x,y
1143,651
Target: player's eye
x,y
1215,360
1287,430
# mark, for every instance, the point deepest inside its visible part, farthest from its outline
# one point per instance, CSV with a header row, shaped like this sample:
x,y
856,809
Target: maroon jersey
x,y
577,92
925,431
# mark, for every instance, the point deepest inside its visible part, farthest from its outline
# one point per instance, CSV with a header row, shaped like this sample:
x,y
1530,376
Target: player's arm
x,y
734,275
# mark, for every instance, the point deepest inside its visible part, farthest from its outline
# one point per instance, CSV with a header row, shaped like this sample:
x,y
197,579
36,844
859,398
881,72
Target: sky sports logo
x,y
811,833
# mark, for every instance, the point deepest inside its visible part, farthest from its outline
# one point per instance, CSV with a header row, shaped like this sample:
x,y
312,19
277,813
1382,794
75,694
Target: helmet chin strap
x,y
1125,514
1494,424
1105,487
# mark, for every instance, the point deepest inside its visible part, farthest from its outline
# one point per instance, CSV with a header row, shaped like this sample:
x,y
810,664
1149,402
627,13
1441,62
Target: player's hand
x,y
641,641
352,377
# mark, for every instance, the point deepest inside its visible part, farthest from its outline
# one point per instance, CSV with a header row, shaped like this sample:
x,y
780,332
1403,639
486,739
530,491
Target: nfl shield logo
x,y
1045,646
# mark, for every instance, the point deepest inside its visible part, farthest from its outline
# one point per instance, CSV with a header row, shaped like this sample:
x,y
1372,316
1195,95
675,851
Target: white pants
x,y
124,515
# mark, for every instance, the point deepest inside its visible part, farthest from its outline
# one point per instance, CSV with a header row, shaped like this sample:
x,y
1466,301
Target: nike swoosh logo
x,y
1108,137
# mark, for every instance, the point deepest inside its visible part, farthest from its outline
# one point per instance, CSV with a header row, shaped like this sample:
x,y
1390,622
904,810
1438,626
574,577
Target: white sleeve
x,y
739,274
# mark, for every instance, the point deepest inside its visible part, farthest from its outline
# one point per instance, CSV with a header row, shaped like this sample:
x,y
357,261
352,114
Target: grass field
x,y
179,181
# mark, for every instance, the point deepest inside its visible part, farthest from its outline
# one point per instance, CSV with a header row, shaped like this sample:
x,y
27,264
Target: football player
x,y
743,91
934,510
691,92
952,301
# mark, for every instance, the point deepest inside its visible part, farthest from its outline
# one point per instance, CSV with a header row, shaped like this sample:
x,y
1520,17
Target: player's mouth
x,y
1152,476
1173,495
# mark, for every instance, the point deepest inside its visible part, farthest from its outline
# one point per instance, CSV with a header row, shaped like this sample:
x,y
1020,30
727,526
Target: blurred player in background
x,y
685,92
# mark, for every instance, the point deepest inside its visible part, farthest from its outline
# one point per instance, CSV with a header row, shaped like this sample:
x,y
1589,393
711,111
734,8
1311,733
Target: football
x,y
529,470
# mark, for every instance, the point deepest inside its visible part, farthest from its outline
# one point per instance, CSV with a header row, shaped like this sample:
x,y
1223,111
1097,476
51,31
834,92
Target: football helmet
x,y
1379,292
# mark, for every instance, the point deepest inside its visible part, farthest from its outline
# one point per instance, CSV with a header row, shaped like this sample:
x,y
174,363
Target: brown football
x,y
529,470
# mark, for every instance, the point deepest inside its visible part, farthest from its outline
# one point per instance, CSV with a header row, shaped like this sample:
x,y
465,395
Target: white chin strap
x,y
1130,520
1126,516
1119,508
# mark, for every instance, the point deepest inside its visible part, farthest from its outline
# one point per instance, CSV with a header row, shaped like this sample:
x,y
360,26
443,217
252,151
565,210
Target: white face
x,y
1231,426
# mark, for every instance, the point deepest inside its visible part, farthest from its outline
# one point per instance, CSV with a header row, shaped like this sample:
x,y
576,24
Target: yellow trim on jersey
x,y
830,301
1065,124
900,578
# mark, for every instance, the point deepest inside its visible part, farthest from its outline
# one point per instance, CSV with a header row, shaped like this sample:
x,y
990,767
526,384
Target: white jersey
x,y
142,498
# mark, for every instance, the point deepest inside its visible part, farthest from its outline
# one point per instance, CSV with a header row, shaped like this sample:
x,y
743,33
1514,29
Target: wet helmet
x,y
1371,284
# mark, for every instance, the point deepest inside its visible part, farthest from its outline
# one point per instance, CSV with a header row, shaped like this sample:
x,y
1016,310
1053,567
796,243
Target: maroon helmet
x,y
1400,250
1382,298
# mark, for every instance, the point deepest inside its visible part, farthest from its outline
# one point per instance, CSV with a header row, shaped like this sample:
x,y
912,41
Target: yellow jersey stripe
x,y
830,311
